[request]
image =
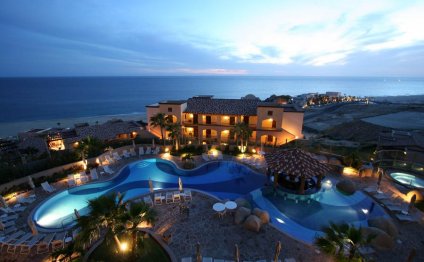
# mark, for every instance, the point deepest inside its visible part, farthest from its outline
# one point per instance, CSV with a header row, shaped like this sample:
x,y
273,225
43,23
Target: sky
x,y
277,38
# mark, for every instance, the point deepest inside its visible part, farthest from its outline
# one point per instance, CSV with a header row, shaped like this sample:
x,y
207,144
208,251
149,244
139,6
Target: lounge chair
x,y
11,249
47,187
9,239
220,157
93,174
187,195
25,200
44,245
26,247
148,200
6,224
159,198
140,151
126,154
405,218
132,152
108,170
176,197
116,156
83,178
18,208
169,197
109,159
8,218
148,151
59,241
71,181
7,210
205,157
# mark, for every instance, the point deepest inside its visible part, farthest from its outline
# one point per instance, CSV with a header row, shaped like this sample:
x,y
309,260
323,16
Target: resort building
x,y
65,138
209,120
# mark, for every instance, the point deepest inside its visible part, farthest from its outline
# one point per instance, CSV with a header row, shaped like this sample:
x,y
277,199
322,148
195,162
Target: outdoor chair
x,y
18,208
27,246
187,195
58,241
108,170
205,157
109,159
116,156
71,181
159,198
47,187
126,154
8,217
93,174
44,245
83,178
132,152
3,225
169,197
25,200
11,249
140,151
176,197
148,200
148,151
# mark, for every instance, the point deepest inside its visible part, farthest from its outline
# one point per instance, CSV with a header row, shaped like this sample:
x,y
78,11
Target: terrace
x,y
217,236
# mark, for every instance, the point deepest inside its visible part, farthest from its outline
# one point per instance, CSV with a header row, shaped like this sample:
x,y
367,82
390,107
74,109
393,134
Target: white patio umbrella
x,y
133,143
151,185
34,229
30,182
180,184
153,142
77,214
236,253
2,201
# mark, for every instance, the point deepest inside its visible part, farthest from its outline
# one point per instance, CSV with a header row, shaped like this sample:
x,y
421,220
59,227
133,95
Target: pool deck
x,y
218,236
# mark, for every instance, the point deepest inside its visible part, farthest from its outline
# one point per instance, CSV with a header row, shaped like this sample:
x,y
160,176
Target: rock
x,y
241,202
385,224
252,223
381,241
346,187
241,214
262,214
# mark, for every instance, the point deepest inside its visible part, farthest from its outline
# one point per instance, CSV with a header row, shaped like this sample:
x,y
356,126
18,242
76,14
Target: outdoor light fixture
x,y
365,211
123,246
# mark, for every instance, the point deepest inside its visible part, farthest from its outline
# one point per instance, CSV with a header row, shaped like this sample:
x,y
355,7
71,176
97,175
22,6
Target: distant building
x,y
210,120
399,147
333,94
63,138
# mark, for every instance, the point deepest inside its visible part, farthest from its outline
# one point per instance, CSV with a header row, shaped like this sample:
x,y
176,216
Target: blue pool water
x,y
408,179
224,179
300,219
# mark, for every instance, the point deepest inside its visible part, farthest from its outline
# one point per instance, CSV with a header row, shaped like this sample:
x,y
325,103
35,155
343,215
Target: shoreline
x,y
11,129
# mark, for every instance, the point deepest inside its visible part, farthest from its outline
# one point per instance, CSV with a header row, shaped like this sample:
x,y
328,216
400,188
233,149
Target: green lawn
x,y
149,249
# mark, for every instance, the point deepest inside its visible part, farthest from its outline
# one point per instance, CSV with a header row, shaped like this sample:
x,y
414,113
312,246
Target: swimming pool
x,y
224,179
407,179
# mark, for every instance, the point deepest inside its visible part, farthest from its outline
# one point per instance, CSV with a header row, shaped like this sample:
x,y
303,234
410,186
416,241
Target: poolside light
x,y
166,150
123,246
279,220
253,151
365,211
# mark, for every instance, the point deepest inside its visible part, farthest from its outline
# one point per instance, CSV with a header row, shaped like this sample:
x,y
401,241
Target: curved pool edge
x,y
389,173
40,228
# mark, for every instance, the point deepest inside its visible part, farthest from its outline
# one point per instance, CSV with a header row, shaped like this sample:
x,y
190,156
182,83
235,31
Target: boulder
x,y
346,187
385,224
252,223
382,241
241,202
262,214
241,214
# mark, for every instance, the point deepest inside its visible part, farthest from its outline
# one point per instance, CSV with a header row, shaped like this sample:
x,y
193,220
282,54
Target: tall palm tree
x,y
174,132
337,237
160,120
243,133
89,147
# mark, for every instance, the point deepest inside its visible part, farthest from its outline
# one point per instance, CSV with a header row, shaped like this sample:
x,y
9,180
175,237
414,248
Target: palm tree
x,y
243,133
339,237
110,217
174,132
89,147
160,120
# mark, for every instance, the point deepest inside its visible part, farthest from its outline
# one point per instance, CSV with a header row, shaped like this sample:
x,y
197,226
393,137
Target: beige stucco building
x,y
206,119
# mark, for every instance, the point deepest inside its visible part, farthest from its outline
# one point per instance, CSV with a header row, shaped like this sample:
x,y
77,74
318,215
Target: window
x,y
270,138
232,120
208,133
208,119
169,109
246,120
270,113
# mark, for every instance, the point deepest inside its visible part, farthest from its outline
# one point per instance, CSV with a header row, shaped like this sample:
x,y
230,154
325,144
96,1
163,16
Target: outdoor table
x,y
218,207
230,205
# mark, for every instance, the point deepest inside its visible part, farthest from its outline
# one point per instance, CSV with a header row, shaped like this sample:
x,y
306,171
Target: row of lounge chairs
x,y
44,243
392,202
149,151
115,156
209,157
168,197
82,178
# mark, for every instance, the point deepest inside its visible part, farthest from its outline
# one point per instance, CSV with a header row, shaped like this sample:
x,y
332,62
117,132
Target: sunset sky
x,y
283,38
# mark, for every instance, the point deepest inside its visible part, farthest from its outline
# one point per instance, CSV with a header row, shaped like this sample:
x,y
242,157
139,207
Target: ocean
x,y
44,102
